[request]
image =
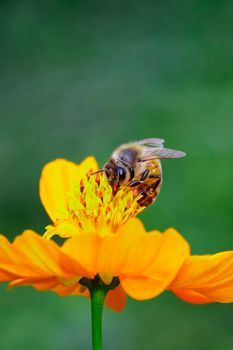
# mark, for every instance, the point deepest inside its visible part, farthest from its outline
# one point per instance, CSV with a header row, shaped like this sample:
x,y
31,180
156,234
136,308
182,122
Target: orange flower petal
x,y
11,261
143,288
105,255
75,289
191,296
83,249
172,252
42,255
112,254
5,277
209,276
161,269
116,299
43,258
118,252
33,260
144,262
41,284
58,178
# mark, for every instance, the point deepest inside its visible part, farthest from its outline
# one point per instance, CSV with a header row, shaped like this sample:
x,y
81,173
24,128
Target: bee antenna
x,y
99,171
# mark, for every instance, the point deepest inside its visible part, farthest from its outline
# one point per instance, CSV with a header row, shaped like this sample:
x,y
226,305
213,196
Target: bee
x,y
137,165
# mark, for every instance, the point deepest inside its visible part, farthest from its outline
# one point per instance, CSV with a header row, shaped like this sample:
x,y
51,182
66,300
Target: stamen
x,y
100,194
97,179
81,186
129,205
95,205
114,187
82,200
88,174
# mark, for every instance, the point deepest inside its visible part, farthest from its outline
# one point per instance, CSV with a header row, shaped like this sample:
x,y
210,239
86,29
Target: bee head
x,y
116,174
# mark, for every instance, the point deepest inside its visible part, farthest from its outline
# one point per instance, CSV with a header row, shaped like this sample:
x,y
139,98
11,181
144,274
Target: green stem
x,y
97,300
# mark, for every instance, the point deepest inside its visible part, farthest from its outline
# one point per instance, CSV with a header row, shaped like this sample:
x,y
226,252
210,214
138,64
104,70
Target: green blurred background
x,y
80,78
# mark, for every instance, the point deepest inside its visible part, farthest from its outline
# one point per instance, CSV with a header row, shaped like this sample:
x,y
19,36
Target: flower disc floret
x,y
90,204
93,205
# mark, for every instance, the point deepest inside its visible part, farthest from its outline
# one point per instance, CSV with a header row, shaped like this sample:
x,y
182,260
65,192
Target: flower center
x,y
94,206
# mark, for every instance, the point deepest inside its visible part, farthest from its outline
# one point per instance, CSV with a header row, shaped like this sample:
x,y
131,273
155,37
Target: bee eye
x,y
121,173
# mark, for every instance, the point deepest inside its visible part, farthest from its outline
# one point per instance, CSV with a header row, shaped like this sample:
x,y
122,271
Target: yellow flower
x,y
105,245
79,201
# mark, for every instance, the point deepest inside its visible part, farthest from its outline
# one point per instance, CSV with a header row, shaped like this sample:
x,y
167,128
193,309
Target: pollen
x,y
93,206
81,186
100,194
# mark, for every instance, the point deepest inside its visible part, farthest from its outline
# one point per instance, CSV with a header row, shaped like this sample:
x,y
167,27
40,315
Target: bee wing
x,y
151,142
161,153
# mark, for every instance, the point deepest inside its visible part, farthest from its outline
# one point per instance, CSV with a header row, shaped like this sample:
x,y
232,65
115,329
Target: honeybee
x,y
137,164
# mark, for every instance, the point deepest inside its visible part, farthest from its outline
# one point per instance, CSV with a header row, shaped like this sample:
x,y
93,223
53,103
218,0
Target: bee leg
x,y
145,174
156,184
147,198
148,188
135,183
143,193
152,176
143,177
